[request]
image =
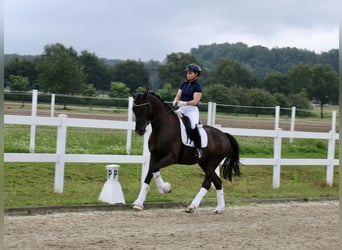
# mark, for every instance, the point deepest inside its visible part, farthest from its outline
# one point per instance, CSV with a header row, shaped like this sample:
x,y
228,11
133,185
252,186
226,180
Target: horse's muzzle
x,y
140,131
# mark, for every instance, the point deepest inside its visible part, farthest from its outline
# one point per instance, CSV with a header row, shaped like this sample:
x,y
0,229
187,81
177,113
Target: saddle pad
x,y
187,142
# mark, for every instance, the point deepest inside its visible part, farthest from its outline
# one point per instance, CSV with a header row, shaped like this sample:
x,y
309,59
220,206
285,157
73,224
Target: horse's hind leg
x,y
210,176
219,194
209,172
195,203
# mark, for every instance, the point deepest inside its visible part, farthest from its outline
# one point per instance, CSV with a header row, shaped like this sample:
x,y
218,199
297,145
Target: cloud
x,y
151,29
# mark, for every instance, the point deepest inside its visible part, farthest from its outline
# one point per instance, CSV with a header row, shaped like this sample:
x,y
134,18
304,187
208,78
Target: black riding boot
x,y
197,141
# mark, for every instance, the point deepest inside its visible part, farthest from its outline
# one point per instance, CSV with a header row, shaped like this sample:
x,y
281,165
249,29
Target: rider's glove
x,y
180,103
174,104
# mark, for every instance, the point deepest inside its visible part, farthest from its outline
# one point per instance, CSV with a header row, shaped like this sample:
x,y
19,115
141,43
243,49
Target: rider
x,y
187,99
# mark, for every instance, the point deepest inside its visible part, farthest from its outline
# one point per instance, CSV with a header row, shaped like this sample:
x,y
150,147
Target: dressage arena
x,y
311,225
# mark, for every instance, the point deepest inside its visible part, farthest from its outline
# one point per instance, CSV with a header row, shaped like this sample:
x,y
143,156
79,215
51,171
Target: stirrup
x,y
198,153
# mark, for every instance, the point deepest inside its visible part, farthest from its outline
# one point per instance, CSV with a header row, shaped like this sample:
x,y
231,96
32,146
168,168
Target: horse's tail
x,y
232,162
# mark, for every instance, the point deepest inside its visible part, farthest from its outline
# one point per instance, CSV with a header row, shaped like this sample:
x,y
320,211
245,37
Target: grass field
x,y
31,184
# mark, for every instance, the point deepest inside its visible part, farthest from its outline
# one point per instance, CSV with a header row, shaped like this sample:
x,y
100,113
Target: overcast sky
x,y
152,29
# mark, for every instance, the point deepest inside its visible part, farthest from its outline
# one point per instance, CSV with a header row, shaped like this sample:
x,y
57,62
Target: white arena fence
x,y
62,122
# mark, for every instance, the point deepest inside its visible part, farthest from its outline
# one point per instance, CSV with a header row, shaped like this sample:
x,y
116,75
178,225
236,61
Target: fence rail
x,y
62,122
60,157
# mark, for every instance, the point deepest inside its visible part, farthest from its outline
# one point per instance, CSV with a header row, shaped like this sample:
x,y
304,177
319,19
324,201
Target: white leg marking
x,y
220,202
195,203
138,204
163,187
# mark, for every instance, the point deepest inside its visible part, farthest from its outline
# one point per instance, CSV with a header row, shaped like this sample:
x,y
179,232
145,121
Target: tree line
x,y
232,74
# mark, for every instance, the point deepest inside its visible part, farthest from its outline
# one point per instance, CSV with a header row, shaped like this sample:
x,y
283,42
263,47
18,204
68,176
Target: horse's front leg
x,y
163,187
153,171
138,204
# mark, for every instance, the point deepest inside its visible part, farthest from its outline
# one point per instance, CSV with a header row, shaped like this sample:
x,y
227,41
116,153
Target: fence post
x,y
129,131
33,114
293,117
60,151
213,119
276,117
210,113
331,151
52,112
277,157
146,154
276,149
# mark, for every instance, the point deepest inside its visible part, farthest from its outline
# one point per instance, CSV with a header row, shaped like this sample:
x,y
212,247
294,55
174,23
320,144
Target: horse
x,y
166,148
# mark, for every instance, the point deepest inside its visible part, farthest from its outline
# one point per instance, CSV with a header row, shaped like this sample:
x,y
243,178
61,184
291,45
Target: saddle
x,y
185,128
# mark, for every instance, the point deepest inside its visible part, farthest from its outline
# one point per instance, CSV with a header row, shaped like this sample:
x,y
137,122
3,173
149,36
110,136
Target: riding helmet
x,y
194,68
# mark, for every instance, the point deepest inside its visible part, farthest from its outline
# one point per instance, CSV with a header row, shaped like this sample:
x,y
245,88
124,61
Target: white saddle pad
x,y
187,141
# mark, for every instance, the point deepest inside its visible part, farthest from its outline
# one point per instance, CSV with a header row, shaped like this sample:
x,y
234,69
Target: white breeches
x,y
192,112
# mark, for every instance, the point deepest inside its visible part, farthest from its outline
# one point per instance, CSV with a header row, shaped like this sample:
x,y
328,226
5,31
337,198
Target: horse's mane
x,y
158,97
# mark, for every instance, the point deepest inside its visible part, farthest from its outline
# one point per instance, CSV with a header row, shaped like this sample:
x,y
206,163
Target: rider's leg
x,y
197,141
194,120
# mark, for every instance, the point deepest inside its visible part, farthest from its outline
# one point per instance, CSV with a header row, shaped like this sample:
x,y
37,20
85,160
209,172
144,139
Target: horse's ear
x,y
145,95
133,94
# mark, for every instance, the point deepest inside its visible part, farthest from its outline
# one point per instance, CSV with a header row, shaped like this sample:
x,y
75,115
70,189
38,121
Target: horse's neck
x,y
162,118
164,124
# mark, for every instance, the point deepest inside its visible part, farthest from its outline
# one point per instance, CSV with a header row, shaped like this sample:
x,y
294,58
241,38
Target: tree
x,y
152,68
21,67
276,82
173,69
60,70
88,90
220,94
140,90
299,100
118,89
281,100
95,70
260,98
19,83
324,85
231,73
132,73
167,92
299,78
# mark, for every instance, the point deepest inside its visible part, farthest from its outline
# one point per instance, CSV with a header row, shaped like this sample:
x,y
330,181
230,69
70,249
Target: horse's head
x,y
141,112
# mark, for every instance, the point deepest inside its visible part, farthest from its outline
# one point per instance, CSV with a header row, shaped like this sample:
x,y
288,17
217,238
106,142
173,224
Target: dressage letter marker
x,y
112,191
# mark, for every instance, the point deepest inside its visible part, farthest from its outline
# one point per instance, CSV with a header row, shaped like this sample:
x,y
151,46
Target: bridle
x,y
149,120
139,105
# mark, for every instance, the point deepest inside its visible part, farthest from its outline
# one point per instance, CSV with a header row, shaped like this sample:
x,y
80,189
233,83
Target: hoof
x,y
165,189
190,209
218,211
138,207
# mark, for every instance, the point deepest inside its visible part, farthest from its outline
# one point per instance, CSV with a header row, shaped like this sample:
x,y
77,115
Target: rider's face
x,y
191,76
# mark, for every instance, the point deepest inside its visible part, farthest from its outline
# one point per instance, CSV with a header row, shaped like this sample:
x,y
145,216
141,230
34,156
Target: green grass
x,y
32,184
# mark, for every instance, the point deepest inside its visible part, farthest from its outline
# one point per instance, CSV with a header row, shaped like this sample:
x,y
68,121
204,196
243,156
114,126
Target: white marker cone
x,y
112,191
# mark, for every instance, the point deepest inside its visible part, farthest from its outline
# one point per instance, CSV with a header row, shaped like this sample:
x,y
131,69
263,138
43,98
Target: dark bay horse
x,y
166,148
